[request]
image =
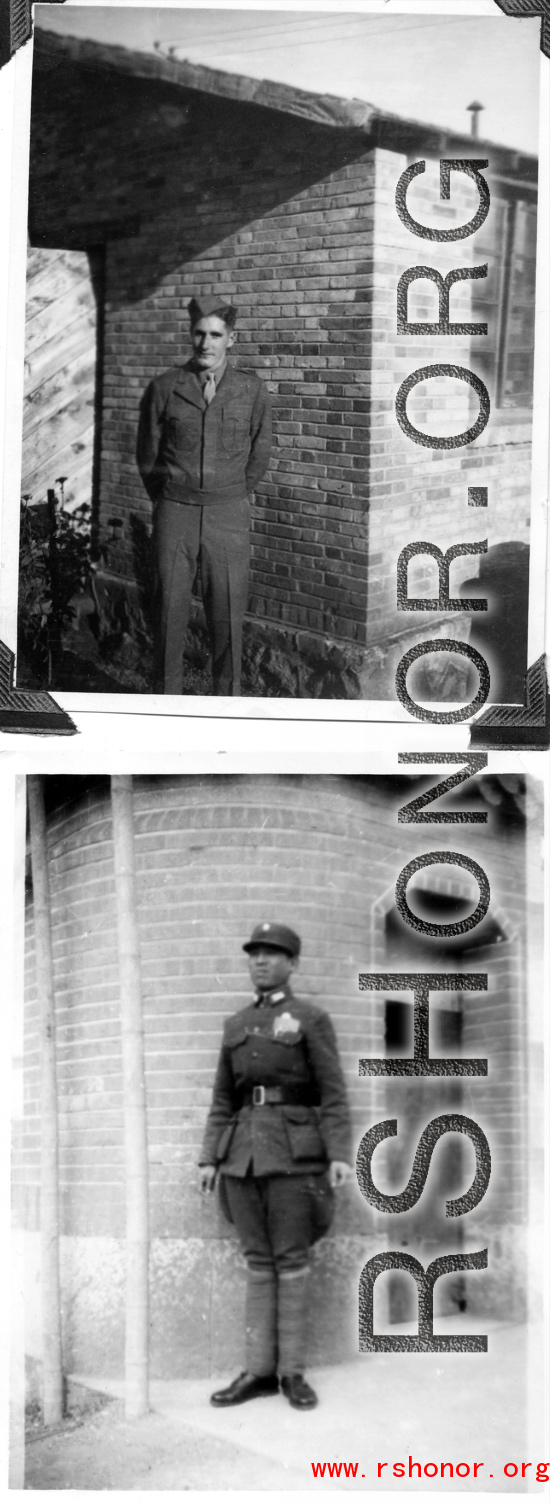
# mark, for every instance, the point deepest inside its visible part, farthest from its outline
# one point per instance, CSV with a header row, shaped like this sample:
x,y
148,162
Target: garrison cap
x,y
203,307
281,937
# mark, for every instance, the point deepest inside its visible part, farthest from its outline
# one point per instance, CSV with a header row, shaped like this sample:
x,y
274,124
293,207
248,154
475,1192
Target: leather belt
x,y
258,1097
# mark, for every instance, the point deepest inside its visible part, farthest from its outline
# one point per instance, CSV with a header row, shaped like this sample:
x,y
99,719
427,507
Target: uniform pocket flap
x,y
234,428
297,1113
303,1135
235,1034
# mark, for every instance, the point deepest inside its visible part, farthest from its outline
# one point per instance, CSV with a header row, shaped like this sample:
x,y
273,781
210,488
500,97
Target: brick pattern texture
x,y
295,223
214,856
417,493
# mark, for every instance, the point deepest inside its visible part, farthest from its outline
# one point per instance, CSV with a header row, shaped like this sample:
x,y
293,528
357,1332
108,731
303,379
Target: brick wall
x,y
214,856
294,276
418,493
296,222
315,284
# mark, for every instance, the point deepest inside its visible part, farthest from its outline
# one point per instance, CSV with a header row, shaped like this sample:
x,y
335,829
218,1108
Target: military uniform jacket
x,y
283,1043
188,451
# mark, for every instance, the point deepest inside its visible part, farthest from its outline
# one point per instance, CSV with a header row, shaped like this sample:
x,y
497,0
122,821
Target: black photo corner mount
x,y
15,26
518,728
525,8
31,712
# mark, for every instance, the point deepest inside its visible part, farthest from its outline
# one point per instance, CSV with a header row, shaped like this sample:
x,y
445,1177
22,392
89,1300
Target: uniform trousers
x,y
278,1218
214,539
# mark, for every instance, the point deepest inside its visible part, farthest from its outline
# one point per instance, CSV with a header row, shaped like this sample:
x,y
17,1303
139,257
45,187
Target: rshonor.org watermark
x,y
414,1470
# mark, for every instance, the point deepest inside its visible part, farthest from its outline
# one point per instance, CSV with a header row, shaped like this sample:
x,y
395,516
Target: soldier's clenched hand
x,y
207,1177
338,1173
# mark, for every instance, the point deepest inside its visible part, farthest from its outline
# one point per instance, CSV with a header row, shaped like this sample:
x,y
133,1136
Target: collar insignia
x,y
272,998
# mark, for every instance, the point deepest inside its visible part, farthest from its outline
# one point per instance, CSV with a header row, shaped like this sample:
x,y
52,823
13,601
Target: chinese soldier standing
x,y
204,440
278,1130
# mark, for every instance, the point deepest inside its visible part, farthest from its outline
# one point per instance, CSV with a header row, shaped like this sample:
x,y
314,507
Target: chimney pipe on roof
x,y
475,110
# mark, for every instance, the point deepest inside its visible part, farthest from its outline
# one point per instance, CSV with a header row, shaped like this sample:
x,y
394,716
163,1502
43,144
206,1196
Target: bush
x,y
54,564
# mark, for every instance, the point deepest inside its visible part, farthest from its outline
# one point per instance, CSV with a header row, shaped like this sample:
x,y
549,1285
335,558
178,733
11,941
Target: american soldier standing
x,y
204,440
278,1130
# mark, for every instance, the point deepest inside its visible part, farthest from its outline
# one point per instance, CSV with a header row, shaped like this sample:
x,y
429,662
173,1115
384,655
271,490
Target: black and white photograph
x,y
274,772
278,367
231,1001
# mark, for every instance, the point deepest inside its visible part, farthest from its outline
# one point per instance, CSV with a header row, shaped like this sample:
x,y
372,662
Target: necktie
x,y
209,389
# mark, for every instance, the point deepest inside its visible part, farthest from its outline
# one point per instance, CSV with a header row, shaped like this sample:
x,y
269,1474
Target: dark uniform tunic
x,y
199,462
279,1115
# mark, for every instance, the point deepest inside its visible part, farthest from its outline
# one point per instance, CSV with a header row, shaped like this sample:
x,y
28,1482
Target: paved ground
x,y
382,1408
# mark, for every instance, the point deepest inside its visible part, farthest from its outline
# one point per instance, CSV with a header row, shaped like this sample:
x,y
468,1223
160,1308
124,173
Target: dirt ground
x,y
78,675
104,1451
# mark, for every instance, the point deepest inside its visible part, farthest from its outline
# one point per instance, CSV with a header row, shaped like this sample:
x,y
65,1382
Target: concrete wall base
x,y
282,661
197,1301
197,1304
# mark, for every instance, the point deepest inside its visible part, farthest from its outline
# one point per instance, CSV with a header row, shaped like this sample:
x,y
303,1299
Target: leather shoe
x,y
298,1392
245,1387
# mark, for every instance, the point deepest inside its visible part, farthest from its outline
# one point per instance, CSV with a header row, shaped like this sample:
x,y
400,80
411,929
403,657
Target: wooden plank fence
x,y
60,362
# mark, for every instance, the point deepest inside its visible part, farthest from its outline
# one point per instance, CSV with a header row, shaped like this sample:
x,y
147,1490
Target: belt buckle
x,y
258,1097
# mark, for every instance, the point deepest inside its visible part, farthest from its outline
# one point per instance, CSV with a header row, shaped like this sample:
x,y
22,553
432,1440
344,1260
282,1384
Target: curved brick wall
x,y
214,856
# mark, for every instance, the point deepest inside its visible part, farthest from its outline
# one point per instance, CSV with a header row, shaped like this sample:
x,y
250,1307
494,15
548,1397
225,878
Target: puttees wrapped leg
x,y
292,1321
292,1339
261,1322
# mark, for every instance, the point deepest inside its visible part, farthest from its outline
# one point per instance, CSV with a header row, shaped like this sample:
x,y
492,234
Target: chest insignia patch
x,y
285,1024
